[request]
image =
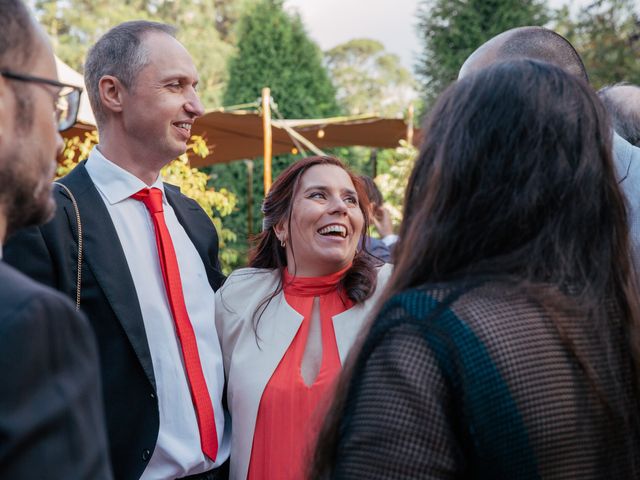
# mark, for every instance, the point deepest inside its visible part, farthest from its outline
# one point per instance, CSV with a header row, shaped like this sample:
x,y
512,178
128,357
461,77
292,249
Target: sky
x,y
392,22
332,22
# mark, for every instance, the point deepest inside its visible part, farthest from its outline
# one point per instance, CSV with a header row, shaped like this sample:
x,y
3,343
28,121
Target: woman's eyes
x,y
321,195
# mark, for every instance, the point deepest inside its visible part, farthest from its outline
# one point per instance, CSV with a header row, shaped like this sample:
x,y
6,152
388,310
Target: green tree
x,y
369,79
393,182
450,30
206,28
606,34
273,51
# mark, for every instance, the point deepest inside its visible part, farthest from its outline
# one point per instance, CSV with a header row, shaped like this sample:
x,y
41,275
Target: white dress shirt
x,y
178,452
390,239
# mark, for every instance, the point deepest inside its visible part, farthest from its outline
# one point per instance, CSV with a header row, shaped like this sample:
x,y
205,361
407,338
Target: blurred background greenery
x,y
241,46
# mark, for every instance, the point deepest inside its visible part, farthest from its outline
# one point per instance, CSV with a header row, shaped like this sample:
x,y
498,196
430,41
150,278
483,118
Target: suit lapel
x,y
199,229
104,255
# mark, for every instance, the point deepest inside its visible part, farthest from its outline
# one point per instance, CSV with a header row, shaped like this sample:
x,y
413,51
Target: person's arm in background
x,y
382,222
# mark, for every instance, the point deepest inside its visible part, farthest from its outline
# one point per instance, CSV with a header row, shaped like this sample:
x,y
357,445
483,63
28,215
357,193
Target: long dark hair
x,y
515,181
359,282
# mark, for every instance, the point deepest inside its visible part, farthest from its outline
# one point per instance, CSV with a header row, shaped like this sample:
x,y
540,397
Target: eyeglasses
x,y
67,99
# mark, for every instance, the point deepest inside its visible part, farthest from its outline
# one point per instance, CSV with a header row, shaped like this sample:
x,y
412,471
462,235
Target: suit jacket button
x,y
153,395
146,455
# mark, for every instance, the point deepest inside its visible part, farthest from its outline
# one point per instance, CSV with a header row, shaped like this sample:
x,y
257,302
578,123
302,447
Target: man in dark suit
x,y
145,272
51,415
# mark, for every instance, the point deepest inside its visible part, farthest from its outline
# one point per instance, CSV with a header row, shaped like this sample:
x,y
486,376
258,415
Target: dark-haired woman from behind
x,y
507,345
287,323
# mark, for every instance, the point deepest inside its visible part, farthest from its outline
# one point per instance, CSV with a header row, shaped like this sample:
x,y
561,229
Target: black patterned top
x,y
480,384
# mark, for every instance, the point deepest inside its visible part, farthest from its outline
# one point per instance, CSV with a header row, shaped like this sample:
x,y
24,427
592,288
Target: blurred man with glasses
x,y
51,414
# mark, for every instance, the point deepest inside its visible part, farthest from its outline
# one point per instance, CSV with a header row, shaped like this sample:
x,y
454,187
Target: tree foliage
x,y
206,28
192,182
369,79
393,182
450,30
606,34
273,51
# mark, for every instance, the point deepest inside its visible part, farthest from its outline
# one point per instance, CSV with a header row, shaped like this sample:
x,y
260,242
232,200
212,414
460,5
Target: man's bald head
x,y
536,43
623,103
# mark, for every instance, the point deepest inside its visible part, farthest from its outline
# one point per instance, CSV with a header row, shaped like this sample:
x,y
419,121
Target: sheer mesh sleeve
x,y
399,418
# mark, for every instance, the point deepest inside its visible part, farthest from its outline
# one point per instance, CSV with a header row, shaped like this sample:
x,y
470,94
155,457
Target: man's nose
x,y
194,105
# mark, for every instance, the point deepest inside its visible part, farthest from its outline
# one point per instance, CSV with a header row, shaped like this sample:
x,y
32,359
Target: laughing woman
x,y
287,323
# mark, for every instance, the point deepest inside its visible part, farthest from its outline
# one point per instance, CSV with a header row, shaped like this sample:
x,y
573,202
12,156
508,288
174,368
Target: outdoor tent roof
x,y
238,135
66,74
366,131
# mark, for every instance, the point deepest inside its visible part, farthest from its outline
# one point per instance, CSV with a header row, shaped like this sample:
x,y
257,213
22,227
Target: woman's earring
x,y
283,243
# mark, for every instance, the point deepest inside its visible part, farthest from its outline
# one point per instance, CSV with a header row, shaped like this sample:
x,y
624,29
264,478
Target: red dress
x,y
290,412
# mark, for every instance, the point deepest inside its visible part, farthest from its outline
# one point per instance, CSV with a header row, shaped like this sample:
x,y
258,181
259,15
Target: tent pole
x,y
249,164
410,124
373,160
266,127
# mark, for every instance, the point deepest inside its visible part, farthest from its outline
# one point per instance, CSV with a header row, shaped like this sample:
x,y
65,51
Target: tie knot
x,y
151,197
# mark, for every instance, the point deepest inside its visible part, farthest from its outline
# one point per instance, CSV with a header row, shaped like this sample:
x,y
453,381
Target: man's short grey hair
x,y
119,53
622,101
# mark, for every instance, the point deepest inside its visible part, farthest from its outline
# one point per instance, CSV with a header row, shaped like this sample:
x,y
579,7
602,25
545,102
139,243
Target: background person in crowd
x,y
622,101
508,346
379,247
51,415
149,260
542,44
287,323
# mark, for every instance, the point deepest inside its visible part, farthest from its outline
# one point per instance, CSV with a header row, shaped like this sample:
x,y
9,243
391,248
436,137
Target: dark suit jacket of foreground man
x,y
49,255
51,420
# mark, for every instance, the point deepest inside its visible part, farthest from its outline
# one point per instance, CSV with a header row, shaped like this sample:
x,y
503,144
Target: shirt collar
x,y
114,182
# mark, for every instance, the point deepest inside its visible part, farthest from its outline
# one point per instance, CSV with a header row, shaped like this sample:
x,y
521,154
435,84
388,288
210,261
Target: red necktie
x,y
152,198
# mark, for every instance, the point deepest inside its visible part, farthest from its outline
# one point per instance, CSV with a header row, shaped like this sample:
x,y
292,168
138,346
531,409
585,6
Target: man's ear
x,y
111,93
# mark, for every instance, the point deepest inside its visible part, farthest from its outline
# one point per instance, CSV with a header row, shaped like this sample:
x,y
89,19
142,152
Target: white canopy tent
x,y
66,74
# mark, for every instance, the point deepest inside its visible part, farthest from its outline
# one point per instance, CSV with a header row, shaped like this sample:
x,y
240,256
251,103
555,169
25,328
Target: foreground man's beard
x,y
24,204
